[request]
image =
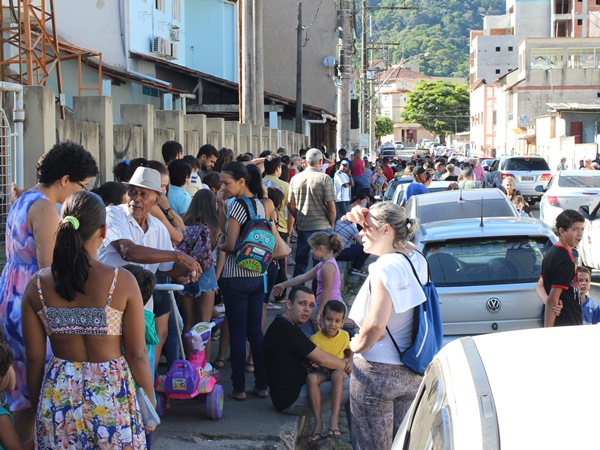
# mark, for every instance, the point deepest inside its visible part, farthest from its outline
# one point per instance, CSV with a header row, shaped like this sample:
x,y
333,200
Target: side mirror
x,y
540,188
584,210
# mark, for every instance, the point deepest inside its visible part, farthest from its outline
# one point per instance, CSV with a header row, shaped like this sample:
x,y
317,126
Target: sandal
x,y
239,396
335,433
262,393
249,368
316,437
218,363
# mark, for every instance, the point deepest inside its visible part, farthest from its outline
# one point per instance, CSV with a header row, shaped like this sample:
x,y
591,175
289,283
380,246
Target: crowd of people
x,y
83,259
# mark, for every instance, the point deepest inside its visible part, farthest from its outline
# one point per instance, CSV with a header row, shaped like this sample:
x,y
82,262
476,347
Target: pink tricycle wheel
x,y
214,403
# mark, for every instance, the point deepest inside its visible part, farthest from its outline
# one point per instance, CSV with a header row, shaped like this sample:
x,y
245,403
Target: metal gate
x,y
6,171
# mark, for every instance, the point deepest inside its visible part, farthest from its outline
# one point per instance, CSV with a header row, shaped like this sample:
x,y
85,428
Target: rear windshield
x,y
577,181
527,164
477,262
496,207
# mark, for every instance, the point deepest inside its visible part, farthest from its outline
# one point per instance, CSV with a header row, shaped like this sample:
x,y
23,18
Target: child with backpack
x,y
200,238
324,247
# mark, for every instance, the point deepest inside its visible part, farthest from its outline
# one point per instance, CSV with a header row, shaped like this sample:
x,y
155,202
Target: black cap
x,y
420,170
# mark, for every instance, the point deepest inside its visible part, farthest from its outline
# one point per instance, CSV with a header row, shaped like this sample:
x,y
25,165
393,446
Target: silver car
x,y
528,171
485,271
569,189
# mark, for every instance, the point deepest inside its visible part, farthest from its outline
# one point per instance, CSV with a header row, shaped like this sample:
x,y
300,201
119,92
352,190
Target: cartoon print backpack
x,y
256,244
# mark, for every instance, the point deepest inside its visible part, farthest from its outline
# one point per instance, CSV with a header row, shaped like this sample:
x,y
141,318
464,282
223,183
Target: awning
x,y
519,130
530,138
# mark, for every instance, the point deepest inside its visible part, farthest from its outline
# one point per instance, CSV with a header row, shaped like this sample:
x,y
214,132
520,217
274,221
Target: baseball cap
x,y
345,162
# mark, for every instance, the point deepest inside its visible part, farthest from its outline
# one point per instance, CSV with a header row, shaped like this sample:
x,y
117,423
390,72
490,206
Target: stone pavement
x,y
250,424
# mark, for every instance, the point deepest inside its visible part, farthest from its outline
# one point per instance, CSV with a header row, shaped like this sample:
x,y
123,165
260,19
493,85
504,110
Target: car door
x,y
591,233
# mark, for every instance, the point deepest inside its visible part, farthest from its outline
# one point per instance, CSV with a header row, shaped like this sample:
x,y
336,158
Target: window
x,y
579,181
583,58
177,10
597,94
497,49
160,5
497,71
579,22
510,49
546,58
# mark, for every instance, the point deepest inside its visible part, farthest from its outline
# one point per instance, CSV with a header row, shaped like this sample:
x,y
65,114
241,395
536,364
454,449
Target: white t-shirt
x,y
121,225
342,194
406,293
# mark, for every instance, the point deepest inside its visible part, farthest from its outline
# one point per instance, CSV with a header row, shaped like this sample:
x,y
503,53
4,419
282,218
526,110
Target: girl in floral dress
x,y
93,315
30,229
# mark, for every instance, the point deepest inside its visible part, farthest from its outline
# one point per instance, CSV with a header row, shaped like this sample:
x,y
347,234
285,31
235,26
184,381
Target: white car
x,y
508,390
399,145
435,186
588,253
569,189
460,204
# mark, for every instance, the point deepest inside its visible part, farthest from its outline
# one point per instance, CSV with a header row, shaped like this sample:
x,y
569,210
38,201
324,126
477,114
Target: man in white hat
x,y
135,236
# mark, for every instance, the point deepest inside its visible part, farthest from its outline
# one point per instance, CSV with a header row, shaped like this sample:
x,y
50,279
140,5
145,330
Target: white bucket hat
x,y
146,177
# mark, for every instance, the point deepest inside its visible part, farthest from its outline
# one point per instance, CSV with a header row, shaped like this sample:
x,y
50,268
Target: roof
x,y
222,82
574,106
402,73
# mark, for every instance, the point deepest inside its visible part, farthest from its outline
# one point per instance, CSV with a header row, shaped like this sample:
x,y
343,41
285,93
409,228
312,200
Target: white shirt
x,y
121,225
406,293
342,194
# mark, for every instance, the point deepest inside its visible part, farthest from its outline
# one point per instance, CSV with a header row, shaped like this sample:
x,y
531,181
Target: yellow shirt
x,y
334,346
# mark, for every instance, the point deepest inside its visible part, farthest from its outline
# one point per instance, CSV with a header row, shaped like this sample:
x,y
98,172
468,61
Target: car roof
x,y
578,173
526,371
453,196
492,227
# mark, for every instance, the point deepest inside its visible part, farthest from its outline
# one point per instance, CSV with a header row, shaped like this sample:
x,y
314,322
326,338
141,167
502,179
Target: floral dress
x,y
21,264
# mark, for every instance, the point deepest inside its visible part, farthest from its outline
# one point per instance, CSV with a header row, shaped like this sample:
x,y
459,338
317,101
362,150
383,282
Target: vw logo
x,y
493,305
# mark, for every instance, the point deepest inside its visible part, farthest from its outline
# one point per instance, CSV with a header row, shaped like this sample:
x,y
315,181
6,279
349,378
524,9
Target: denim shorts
x,y
206,283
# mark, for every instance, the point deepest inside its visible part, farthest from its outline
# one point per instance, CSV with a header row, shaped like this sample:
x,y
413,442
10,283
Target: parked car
x,y
528,171
588,253
485,271
569,189
435,186
491,392
388,151
399,145
459,204
396,182
424,144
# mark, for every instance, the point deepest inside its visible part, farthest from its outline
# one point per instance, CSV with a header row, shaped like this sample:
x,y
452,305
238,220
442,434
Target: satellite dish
x,y
329,61
523,119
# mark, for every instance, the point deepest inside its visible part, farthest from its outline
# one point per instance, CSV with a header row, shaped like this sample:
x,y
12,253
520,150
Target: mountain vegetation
x,y
438,27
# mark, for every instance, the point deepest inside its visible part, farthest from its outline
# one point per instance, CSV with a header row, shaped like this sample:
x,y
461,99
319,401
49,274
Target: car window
x,y
527,164
496,207
578,181
478,262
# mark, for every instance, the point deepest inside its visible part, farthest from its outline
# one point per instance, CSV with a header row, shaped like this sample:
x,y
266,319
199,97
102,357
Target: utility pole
x,y
363,63
259,87
299,106
343,104
247,98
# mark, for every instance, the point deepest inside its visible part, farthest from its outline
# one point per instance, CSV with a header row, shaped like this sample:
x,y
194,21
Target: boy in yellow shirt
x,y
336,342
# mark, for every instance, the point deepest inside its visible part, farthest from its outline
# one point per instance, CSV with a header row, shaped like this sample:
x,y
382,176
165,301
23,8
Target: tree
x,y
440,107
384,125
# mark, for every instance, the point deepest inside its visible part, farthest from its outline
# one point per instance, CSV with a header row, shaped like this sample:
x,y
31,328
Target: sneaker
x,y
358,272
272,307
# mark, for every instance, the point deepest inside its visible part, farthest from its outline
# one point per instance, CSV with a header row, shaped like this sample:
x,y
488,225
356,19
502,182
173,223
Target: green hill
x,y
438,27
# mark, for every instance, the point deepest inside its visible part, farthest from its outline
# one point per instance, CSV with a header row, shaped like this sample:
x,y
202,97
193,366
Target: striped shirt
x,y
311,190
238,212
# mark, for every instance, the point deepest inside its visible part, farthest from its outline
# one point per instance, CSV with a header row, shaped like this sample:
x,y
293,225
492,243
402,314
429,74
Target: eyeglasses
x,y
81,185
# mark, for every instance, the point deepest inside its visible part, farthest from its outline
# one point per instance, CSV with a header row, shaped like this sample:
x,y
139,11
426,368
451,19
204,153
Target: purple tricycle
x,y
189,378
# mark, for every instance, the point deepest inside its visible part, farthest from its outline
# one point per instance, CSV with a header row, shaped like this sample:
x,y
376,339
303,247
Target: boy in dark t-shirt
x,y
559,274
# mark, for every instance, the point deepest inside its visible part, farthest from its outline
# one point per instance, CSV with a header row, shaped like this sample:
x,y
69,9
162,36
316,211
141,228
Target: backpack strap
x,y
414,271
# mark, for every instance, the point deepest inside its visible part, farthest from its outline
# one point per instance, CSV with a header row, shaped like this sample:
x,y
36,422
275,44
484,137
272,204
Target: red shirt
x,y
388,172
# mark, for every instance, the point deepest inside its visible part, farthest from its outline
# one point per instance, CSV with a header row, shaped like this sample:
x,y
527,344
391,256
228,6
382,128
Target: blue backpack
x,y
256,244
427,328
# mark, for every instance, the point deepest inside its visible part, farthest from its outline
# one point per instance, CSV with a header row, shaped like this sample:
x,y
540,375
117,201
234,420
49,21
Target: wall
x,y
280,22
488,60
212,38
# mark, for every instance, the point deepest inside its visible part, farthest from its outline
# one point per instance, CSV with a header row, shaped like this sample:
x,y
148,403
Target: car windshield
x,y
477,262
388,195
495,207
578,181
527,164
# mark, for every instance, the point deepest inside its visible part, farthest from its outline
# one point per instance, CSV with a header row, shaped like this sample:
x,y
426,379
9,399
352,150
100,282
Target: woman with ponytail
x,y
30,233
93,315
243,290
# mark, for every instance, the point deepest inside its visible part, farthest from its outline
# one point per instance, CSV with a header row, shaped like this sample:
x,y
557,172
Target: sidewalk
x,y
251,424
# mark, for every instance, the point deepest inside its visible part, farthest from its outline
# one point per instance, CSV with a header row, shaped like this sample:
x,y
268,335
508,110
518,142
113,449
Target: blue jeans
x,y
303,250
243,298
341,208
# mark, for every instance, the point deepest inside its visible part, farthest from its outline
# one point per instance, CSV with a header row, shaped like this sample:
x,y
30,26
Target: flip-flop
x,y
334,433
262,393
218,363
316,438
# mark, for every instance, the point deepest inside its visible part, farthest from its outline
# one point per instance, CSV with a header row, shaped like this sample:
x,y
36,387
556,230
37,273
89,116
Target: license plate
x,y
527,178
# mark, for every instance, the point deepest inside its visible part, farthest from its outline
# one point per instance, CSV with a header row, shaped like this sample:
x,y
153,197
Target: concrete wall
x,y
280,20
491,63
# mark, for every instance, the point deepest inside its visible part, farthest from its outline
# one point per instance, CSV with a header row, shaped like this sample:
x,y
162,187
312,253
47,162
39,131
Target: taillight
x,y
546,177
553,200
507,175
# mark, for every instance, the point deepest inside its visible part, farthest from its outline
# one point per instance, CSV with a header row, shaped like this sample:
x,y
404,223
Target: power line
x,y
307,28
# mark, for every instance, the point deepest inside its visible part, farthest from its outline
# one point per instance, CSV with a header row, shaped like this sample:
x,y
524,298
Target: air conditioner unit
x,y
175,34
172,51
159,46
